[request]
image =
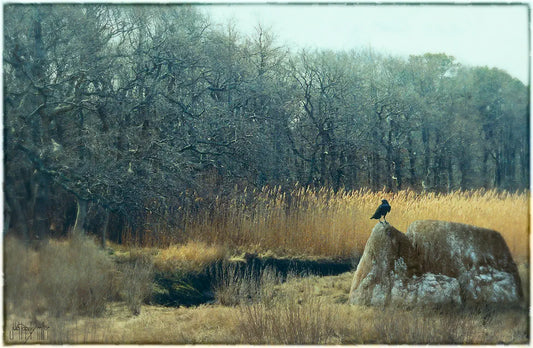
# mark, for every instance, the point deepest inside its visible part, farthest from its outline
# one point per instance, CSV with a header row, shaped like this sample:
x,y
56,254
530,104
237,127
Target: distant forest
x,y
120,110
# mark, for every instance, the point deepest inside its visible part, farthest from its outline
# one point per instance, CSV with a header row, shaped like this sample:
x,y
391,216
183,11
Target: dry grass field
x,y
310,310
83,295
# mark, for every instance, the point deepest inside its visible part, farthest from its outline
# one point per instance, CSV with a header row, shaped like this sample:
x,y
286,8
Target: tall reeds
x,y
324,223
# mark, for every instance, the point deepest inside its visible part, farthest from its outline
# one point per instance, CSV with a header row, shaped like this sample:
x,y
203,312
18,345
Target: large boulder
x,y
435,263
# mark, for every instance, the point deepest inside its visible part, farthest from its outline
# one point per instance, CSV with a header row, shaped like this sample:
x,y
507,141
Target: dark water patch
x,y
299,267
182,289
195,288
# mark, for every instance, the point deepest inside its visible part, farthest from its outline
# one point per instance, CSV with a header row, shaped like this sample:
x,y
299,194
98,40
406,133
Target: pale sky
x,y
476,35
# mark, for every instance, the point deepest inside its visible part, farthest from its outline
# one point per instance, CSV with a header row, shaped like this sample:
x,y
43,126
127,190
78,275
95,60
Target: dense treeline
x,y
129,111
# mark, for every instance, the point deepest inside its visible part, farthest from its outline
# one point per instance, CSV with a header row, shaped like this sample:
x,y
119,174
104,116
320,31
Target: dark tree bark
x,y
81,215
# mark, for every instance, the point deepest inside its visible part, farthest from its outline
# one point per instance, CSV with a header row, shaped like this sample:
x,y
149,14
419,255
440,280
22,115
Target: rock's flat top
x,y
450,248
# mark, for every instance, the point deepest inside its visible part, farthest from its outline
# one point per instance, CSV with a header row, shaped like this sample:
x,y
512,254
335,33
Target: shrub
x,y
288,313
235,284
136,283
62,277
21,267
290,319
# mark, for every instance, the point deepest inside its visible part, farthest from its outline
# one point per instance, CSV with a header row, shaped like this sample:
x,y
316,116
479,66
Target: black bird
x,y
382,210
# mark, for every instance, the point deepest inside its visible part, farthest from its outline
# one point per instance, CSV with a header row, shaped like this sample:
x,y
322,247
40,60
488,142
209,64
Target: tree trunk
x,y
41,196
391,185
40,121
524,164
413,180
449,177
21,218
81,214
7,217
497,181
427,159
40,219
397,170
464,168
104,228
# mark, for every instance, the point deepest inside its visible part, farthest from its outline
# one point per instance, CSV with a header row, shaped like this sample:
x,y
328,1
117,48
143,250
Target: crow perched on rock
x,y
382,210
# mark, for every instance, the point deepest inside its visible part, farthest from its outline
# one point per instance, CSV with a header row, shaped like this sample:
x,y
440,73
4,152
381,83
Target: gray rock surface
x,y
435,263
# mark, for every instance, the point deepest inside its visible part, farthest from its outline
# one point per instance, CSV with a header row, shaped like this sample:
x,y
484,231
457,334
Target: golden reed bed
x,y
330,224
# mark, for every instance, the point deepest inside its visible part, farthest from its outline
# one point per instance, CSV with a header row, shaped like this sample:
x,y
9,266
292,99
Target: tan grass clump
x,y
192,256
